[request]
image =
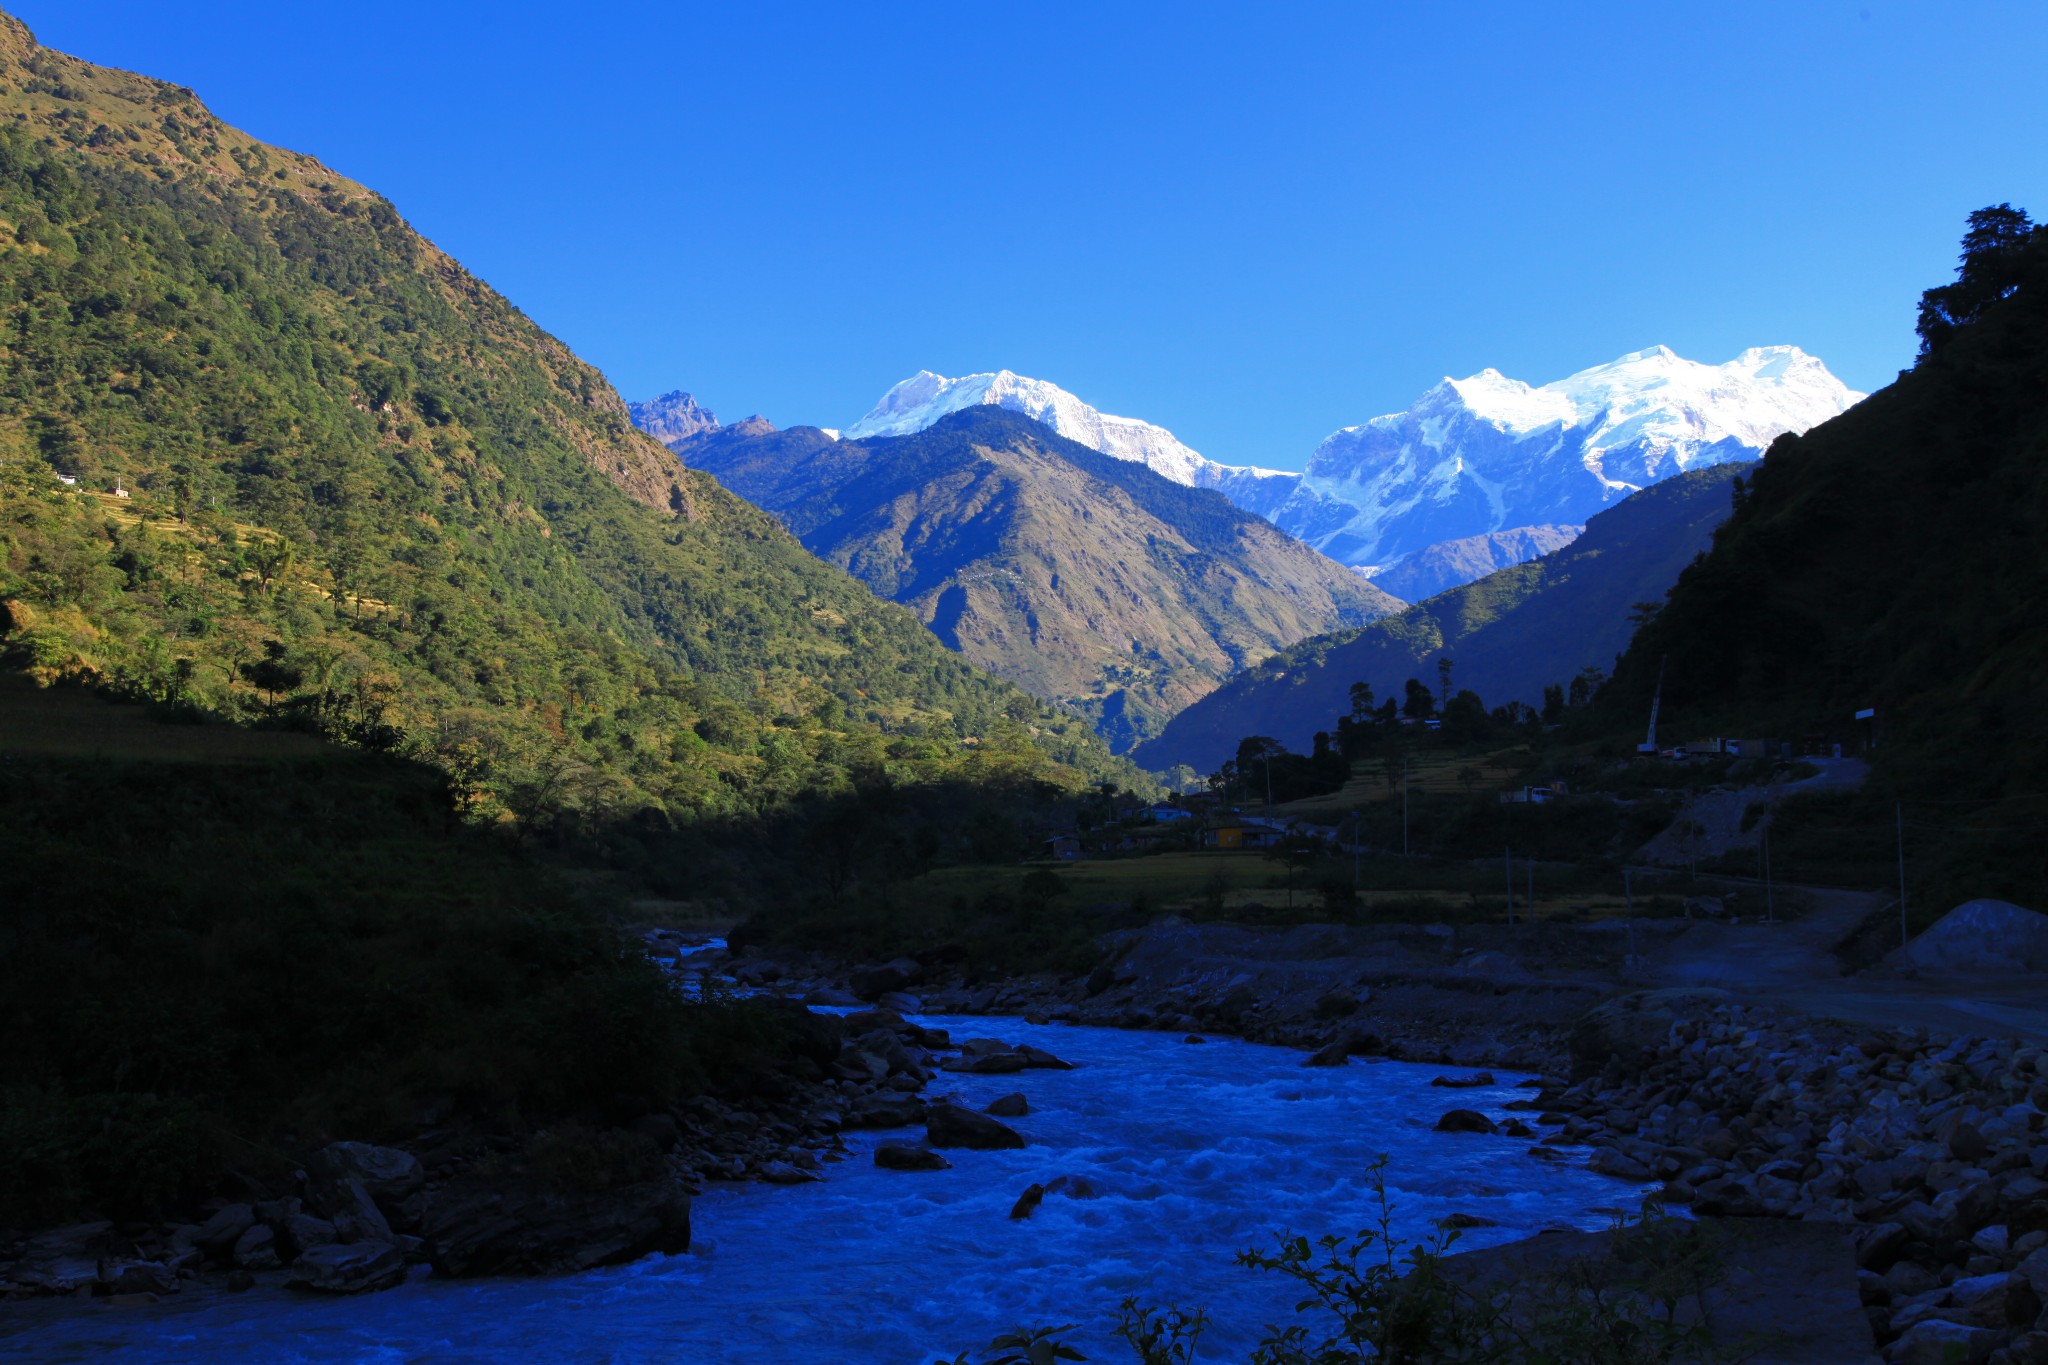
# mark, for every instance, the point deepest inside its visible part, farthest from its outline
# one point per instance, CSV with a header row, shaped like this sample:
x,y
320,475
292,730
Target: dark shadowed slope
x,y
1894,558
1508,635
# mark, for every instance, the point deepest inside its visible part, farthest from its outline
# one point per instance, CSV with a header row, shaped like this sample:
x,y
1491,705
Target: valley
x,y
1550,873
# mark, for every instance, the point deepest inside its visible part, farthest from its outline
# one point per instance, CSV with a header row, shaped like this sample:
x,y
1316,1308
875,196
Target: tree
x,y
1465,716
273,674
1585,685
1419,704
1258,752
1361,702
1443,680
1989,269
1553,703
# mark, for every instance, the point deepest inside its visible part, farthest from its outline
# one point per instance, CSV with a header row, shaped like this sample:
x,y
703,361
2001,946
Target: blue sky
x,y
1251,224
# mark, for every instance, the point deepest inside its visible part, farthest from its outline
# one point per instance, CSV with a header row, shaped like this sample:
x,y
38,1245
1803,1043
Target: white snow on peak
x,y
925,397
1488,453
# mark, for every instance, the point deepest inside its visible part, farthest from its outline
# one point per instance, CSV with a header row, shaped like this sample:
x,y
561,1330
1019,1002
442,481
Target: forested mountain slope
x,y
1893,558
1508,635
313,471
1089,580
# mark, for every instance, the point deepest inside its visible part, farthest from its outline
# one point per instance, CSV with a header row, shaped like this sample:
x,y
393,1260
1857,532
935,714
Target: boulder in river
x,y
1039,1059
1010,1106
1465,1121
1072,1186
901,1156
1028,1202
492,1224
1477,1079
348,1268
986,1064
949,1125
890,1110
1336,1052
785,1173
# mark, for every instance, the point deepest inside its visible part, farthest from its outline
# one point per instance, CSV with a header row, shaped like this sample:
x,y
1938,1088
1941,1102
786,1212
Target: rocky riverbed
x,y
1931,1148
1928,1150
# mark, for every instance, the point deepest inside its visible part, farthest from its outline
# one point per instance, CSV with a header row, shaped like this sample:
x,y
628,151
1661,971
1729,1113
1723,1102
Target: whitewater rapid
x,y
1195,1151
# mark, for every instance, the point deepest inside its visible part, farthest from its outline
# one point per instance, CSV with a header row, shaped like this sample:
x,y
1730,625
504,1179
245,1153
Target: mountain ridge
x,y
1085,578
1487,453
320,473
1509,634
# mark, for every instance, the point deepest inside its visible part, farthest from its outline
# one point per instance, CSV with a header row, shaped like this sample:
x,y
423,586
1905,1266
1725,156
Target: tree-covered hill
x,y
268,454
1088,580
1508,635
1893,559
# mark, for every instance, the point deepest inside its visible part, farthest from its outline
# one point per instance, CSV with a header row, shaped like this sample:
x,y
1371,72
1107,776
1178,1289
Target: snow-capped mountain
x,y
1489,453
925,397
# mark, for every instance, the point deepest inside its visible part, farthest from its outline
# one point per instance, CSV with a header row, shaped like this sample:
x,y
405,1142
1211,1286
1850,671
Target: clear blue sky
x,y
1251,224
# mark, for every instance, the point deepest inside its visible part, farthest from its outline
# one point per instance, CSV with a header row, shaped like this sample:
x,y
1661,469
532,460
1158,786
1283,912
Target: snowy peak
x,y
925,397
1487,453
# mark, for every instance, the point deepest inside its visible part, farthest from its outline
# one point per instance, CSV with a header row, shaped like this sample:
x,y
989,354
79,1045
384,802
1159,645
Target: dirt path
x,y
1791,965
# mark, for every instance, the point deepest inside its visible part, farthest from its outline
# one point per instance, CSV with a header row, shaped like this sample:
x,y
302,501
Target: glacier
x,y
1487,454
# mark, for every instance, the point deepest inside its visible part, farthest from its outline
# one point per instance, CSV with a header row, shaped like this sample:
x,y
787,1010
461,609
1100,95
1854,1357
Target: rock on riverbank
x,y
473,1203
1933,1150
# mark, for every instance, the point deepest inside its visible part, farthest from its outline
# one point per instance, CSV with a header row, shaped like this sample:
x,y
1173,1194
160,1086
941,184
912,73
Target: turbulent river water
x,y
1194,1151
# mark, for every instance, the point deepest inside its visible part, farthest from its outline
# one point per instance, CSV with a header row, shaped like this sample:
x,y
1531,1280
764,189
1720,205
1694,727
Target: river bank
x,y
1176,1156
1928,1150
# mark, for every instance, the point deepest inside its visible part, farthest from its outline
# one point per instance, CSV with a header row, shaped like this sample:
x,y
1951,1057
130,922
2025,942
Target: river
x,y
1195,1151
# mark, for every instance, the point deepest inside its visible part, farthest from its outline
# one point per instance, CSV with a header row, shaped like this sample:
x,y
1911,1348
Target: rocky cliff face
x,y
673,417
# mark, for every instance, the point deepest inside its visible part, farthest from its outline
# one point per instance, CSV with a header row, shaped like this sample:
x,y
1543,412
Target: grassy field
x,y
62,722
1214,884
1435,771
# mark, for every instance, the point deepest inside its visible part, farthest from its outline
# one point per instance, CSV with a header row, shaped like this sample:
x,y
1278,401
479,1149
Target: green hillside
x,y
1090,581
322,476
1509,635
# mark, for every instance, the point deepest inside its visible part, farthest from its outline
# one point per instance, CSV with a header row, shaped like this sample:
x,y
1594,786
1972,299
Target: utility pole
x,y
1770,909
1404,805
1269,783
1357,846
1530,902
1507,862
1628,893
1899,811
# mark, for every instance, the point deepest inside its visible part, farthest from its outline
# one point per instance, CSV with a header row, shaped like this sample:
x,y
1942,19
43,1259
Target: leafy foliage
x,y
1892,559
322,476
223,961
